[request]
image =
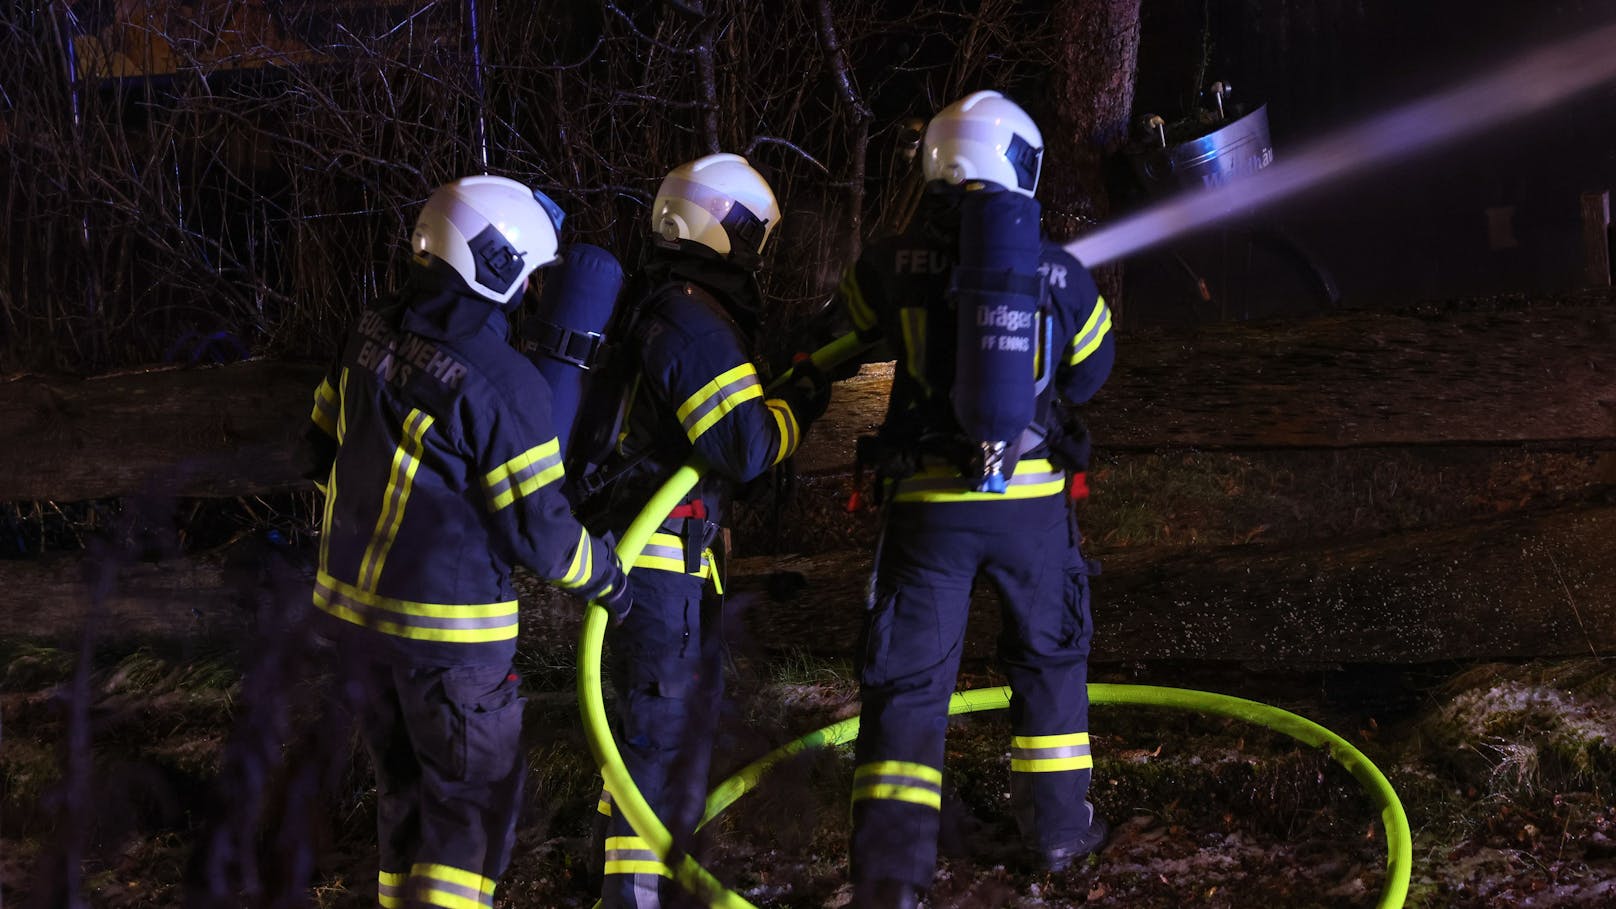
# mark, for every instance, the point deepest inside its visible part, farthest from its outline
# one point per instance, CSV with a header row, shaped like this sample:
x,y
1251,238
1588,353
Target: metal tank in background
x,y
1246,271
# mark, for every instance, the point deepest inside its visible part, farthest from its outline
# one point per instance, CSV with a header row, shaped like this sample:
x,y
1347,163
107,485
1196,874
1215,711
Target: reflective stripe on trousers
x,y
908,661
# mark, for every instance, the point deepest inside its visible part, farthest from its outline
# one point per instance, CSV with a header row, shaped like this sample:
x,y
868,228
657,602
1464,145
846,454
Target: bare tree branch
x,y
628,20
752,147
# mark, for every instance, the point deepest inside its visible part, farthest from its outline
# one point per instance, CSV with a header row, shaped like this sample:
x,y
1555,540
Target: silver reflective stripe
x,y
1041,754
1057,753
664,552
901,781
671,555
470,894
631,855
339,598
1085,344
389,888
720,398
516,479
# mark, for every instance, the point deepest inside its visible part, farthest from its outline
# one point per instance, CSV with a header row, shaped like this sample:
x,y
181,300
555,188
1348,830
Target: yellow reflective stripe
x,y
898,793
717,398
666,552
449,874
406,459
342,406
1035,478
902,781
1030,491
446,896
583,564
390,888
325,408
455,623
786,422
1088,339
863,316
524,474
1049,765
632,855
1038,346
1050,753
451,888
706,392
913,320
326,517
1050,741
443,899
604,806
637,866
922,772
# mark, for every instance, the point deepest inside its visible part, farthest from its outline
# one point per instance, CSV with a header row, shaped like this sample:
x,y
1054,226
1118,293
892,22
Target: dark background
x,y
1415,230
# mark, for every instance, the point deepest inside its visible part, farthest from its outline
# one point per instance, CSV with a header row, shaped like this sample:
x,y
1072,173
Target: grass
x,y
1217,499
1208,811
31,666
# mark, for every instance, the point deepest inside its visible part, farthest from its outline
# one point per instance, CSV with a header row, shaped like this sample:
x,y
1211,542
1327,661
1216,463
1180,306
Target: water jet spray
x,y
1535,81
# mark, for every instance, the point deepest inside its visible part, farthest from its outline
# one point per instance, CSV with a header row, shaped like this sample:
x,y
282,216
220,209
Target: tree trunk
x,y
1090,102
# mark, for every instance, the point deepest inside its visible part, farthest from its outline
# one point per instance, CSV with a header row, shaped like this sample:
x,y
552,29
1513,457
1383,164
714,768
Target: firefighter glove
x,y
614,596
617,602
808,392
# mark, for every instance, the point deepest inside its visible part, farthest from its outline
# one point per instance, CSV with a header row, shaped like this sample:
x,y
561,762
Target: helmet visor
x,y
1025,160
746,232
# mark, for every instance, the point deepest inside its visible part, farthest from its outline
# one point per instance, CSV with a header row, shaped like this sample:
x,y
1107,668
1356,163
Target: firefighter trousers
x,y
446,746
909,658
666,665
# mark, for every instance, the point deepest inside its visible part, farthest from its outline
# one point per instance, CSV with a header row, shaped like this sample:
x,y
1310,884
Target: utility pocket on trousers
x,y
489,707
1077,626
875,641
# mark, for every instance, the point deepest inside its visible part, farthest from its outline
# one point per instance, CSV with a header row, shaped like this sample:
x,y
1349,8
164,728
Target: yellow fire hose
x,y
626,797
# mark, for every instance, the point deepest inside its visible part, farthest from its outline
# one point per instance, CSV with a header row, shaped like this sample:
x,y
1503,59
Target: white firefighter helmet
x,y
493,231
720,202
984,136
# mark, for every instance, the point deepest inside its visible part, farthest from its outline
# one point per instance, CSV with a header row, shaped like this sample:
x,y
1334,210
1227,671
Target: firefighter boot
x,y
1061,857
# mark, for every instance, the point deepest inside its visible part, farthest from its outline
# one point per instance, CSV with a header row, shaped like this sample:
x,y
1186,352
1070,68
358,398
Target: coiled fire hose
x,y
626,797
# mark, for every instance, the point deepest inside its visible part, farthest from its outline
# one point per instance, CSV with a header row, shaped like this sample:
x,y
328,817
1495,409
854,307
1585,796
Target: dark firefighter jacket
x,y
698,389
442,471
897,291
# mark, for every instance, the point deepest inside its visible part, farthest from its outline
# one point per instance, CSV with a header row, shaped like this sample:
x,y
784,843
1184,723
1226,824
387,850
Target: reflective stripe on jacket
x,y
446,474
892,294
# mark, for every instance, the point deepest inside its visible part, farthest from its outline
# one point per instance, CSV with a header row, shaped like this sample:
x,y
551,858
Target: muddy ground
x,y
1505,770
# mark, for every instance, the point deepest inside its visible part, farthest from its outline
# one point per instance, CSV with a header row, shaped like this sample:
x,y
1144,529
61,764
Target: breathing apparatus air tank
x,y
996,290
564,338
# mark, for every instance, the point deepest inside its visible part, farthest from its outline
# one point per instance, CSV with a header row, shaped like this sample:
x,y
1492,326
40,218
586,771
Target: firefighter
x,y
959,504
695,307
441,471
